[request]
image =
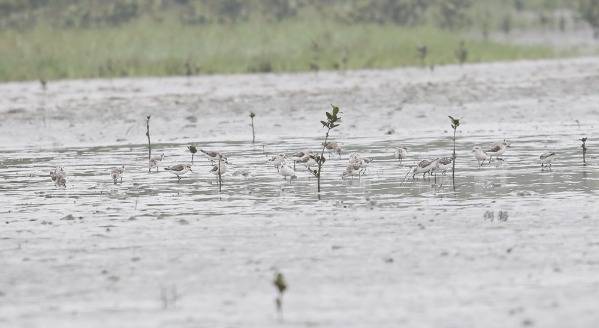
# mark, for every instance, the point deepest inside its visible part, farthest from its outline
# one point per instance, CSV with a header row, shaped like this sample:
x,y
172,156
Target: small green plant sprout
x,y
333,121
149,144
252,115
193,150
422,53
43,83
461,53
455,123
584,150
281,286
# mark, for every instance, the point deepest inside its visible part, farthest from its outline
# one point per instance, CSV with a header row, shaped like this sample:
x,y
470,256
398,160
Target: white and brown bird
x,y
352,169
219,167
480,155
546,158
213,155
179,170
424,167
332,147
117,173
286,171
497,149
155,160
444,164
277,160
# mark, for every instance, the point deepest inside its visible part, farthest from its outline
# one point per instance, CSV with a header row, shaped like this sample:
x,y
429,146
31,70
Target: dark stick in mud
x,y
252,115
455,122
149,144
584,150
332,122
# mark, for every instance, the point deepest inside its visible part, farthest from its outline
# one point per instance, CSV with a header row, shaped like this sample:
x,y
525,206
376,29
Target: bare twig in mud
x,y
149,144
584,150
281,286
193,150
455,122
252,115
332,122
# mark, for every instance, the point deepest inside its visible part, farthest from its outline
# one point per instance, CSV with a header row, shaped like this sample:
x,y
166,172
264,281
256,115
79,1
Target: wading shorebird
x,y
480,155
332,147
424,167
309,160
546,158
278,160
117,173
497,150
352,169
300,156
59,177
286,171
213,155
155,160
400,154
364,162
444,164
179,170
219,167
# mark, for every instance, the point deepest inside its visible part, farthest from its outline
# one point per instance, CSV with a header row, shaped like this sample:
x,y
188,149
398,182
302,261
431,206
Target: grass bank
x,y
150,48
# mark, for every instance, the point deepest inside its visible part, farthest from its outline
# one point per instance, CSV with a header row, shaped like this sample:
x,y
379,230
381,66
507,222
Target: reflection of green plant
x,y
332,122
455,123
281,286
193,150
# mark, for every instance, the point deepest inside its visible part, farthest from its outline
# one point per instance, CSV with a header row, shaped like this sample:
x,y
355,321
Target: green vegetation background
x,y
56,39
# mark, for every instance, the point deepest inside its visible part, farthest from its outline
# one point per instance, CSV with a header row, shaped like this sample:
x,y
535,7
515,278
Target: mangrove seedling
x,y
149,144
455,122
193,150
333,121
422,53
461,53
281,286
252,115
584,150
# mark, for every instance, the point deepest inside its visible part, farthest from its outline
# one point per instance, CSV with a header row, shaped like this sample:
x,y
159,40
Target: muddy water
x,y
151,234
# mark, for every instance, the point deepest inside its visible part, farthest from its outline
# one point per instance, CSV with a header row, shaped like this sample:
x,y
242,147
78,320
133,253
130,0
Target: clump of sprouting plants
x,y
149,143
281,286
584,150
332,121
461,53
455,123
252,115
193,150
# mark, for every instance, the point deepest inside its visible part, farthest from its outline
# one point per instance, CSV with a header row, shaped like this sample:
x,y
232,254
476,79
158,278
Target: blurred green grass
x,y
149,48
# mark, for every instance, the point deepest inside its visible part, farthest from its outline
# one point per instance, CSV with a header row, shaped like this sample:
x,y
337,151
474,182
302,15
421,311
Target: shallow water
x,y
191,236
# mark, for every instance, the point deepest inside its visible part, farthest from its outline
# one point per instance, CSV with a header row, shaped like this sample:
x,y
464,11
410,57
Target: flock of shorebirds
x,y
286,166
